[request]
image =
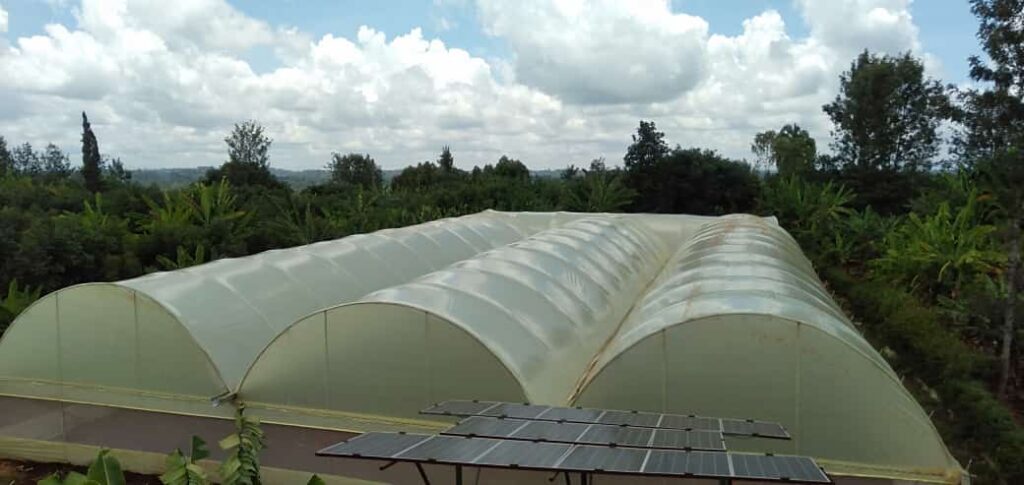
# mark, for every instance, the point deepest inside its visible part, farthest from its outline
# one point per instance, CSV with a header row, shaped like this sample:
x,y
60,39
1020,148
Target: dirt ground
x,y
28,473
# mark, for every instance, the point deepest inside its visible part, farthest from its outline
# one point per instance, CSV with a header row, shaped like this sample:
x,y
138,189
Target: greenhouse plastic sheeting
x,y
185,336
668,313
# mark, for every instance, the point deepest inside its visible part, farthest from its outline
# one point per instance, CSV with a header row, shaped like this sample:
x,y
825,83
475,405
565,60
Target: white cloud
x,y
604,51
162,88
850,26
3,20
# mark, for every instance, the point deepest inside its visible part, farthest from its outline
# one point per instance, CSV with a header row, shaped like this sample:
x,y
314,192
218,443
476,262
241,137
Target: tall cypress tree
x,y
91,170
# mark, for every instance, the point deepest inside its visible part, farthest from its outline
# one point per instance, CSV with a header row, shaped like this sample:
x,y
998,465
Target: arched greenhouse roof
x,y
719,316
192,333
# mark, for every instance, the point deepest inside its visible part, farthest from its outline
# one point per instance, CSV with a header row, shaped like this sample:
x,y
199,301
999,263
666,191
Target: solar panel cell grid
x,y
610,417
617,435
679,439
676,421
448,448
523,411
573,414
486,427
376,445
543,430
630,419
524,454
776,467
693,463
606,459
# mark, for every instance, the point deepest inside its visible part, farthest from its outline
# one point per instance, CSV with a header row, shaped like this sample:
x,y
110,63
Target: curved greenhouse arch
x,y
753,334
51,350
517,323
193,333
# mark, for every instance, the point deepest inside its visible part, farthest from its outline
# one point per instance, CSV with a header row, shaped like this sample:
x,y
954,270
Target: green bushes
x,y
977,426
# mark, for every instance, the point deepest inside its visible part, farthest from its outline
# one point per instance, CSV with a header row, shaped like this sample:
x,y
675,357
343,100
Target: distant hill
x,y
177,177
298,179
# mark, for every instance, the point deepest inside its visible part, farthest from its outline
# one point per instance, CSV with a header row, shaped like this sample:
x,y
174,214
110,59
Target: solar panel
x,y
593,458
617,435
580,433
761,467
525,454
682,440
696,463
375,445
630,418
509,410
548,431
447,448
487,427
727,426
487,452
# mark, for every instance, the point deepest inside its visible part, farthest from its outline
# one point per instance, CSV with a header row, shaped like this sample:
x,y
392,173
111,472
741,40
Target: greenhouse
x,y
666,313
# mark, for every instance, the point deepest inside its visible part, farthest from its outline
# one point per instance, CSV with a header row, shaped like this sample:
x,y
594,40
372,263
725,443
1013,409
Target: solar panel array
x,y
458,450
596,434
535,412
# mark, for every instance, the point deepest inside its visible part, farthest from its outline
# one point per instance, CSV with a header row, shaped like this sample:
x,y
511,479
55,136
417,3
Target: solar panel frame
x,y
728,426
497,453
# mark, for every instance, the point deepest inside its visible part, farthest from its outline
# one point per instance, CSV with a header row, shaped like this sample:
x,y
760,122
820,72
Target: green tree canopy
x,y
248,158
791,150
356,170
510,168
6,163
56,164
446,162
92,164
993,144
647,148
887,114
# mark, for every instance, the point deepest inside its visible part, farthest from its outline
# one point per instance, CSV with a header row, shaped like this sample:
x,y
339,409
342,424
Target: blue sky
x,y
559,81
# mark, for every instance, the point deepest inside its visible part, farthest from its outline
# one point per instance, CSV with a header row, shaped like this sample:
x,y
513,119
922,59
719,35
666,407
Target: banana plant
x,y
183,470
242,466
104,470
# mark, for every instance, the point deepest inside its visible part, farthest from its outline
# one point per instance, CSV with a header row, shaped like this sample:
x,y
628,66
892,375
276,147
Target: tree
x,y
6,162
115,170
694,181
648,147
248,158
641,163
357,170
248,144
446,162
993,143
416,177
25,160
887,114
597,190
91,161
511,168
791,150
56,164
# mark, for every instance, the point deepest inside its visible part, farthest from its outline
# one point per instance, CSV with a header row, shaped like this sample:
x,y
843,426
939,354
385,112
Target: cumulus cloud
x,y
849,26
3,20
603,51
162,89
